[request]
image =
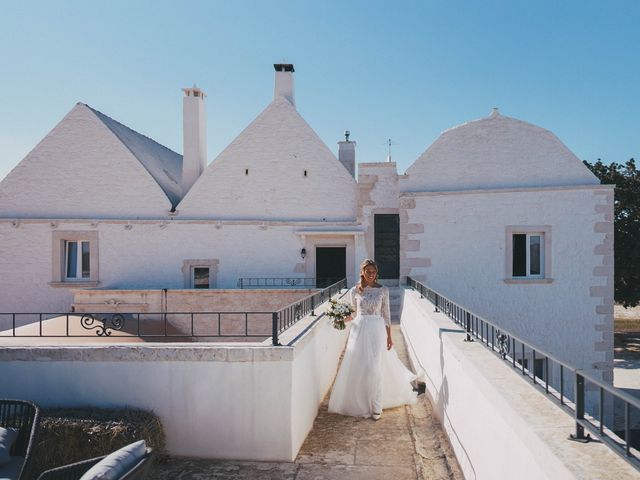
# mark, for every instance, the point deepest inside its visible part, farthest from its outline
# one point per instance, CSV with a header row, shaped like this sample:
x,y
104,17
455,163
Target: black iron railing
x,y
569,386
285,282
276,282
290,314
172,326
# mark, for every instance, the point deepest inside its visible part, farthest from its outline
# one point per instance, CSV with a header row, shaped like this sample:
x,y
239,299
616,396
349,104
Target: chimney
x,y
194,134
284,82
347,154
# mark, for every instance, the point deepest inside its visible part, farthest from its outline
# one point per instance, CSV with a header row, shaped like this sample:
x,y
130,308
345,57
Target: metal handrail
x,y
502,342
289,315
106,324
271,282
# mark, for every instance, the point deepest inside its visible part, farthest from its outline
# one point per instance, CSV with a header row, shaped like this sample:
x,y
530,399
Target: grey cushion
x,y
7,437
115,465
11,470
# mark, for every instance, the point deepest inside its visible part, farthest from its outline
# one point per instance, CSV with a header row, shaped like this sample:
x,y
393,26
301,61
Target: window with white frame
x,y
77,260
528,252
528,255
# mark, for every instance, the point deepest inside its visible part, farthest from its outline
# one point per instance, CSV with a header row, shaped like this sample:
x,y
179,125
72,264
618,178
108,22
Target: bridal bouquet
x,y
338,311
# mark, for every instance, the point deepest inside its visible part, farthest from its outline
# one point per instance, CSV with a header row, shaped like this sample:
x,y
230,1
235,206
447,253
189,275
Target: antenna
x,y
389,142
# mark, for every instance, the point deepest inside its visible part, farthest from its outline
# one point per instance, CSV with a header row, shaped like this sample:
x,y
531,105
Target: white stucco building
x,y
497,214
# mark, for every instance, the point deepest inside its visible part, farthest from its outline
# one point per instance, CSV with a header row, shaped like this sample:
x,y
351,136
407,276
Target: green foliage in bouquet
x,y
338,311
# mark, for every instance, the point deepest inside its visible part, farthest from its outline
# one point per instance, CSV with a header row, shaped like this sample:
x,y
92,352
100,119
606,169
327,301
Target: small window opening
x,y
246,171
305,173
200,277
528,255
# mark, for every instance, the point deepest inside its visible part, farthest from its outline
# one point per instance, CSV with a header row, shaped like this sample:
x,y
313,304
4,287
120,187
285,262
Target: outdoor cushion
x,y
7,437
11,470
116,464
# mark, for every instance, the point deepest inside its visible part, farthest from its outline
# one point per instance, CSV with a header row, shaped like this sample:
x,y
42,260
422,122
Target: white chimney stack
x,y
284,82
194,134
347,154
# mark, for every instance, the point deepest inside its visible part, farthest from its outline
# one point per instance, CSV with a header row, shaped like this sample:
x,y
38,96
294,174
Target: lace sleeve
x,y
352,300
386,314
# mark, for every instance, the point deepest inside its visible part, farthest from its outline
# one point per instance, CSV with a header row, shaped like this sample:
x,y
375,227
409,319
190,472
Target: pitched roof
x,y
278,157
164,165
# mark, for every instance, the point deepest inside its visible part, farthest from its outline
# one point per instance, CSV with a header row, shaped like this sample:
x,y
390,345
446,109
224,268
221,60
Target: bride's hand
x,y
389,343
348,319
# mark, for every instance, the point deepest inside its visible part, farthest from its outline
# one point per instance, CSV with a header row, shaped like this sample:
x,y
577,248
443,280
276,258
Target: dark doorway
x,y
387,245
330,265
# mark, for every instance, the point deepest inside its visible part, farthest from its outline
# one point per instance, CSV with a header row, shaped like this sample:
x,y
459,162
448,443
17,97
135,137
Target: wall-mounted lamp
x,y
303,252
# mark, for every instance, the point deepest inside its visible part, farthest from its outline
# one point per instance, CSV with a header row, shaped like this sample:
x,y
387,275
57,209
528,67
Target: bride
x,y
370,377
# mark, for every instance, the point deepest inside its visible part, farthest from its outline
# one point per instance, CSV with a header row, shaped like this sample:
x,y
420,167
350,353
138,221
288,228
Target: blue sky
x,y
405,70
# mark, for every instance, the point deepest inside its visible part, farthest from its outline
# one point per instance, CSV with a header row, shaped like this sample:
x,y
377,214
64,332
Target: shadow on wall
x,y
442,403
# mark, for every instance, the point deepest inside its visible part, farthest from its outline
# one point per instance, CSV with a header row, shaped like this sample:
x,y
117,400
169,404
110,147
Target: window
x,y
75,258
528,254
200,277
200,273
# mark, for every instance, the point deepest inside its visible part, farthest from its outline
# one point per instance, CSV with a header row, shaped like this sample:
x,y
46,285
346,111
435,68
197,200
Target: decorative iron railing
x,y
174,326
170,325
550,375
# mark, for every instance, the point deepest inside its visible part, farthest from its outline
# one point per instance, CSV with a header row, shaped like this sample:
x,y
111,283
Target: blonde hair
x,y
367,262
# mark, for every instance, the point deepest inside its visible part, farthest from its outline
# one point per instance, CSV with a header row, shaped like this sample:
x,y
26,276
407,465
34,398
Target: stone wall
x,y
463,253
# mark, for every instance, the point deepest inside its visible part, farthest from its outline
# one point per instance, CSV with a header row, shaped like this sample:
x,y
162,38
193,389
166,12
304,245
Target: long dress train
x,y
370,377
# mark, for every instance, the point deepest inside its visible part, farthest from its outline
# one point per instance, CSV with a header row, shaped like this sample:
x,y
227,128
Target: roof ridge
x,y
128,128
493,118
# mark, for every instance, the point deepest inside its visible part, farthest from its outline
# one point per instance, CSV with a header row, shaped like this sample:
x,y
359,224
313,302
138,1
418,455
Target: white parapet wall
x,y
499,425
246,402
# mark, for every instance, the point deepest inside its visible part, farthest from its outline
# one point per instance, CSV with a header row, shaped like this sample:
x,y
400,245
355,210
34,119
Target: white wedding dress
x,y
370,377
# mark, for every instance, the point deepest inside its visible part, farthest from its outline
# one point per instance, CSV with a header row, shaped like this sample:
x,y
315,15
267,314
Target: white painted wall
x,y
464,240
150,255
241,402
499,425
314,368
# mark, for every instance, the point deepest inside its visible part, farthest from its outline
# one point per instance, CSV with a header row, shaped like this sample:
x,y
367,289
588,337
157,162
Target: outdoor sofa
x,y
18,428
131,462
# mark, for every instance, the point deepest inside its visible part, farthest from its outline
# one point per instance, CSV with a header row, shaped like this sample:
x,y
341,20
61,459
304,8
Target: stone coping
x,y
542,425
472,191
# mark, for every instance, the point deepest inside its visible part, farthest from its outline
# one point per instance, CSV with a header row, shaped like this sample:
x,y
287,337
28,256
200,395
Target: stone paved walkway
x,y
406,443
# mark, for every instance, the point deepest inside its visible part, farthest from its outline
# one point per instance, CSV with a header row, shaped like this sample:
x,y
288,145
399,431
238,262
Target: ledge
x,y
73,284
524,281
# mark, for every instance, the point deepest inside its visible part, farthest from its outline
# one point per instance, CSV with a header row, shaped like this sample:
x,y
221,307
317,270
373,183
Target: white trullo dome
x,y
496,152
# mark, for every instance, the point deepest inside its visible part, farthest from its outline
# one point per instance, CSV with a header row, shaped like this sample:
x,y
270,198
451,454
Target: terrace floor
x,y
406,443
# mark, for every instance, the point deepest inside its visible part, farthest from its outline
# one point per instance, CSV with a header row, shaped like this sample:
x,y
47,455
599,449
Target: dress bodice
x,y
372,301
